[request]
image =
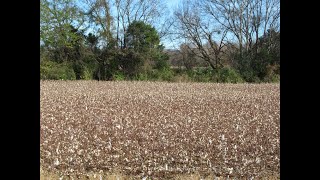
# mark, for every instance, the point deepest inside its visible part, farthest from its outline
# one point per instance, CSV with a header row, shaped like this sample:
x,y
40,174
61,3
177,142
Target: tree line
x,y
216,40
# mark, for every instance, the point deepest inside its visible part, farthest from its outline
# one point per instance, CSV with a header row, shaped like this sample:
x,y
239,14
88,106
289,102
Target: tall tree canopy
x,y
141,36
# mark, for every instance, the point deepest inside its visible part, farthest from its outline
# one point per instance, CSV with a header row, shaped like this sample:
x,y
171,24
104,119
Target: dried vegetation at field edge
x,y
160,130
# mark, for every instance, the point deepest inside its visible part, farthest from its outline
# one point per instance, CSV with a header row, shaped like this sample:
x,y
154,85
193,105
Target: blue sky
x,y
172,3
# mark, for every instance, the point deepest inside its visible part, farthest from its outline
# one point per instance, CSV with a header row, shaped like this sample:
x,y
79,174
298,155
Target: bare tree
x,y
187,56
245,20
212,25
99,14
207,40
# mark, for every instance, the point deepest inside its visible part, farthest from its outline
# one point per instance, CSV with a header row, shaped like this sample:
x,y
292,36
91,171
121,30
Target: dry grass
x,y
159,130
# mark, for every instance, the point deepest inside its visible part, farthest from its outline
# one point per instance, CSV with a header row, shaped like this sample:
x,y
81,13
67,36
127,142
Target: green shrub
x,y
142,77
87,74
166,74
201,75
56,71
162,75
225,75
90,68
273,78
229,75
249,76
161,62
272,74
118,76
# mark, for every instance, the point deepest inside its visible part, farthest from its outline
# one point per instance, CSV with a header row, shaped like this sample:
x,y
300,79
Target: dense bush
x,y
229,75
56,71
87,74
225,75
272,73
53,70
261,63
143,59
118,76
162,75
142,77
200,74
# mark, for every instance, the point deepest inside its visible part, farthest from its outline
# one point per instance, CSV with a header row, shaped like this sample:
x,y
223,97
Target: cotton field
x,y
160,130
